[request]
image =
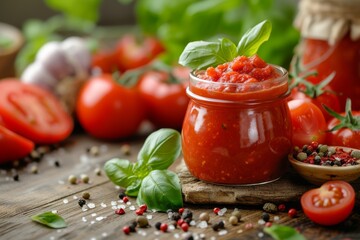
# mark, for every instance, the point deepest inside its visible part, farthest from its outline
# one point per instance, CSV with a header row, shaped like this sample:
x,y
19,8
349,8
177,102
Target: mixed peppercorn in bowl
x,y
318,163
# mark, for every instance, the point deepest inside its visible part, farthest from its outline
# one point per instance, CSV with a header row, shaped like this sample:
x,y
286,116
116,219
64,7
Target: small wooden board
x,y
289,188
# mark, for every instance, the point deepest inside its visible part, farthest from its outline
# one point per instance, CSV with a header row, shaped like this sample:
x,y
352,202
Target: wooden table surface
x,y
49,190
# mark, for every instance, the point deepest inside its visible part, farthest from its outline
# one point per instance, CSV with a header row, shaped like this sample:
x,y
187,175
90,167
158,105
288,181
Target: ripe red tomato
x,y
108,110
165,96
308,123
344,136
13,146
33,112
106,60
329,98
132,53
330,204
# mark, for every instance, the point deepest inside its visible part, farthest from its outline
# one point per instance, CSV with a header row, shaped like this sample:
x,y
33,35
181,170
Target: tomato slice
x,y
33,112
330,204
13,146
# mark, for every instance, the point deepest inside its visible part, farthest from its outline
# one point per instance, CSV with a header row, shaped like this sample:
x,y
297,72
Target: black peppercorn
x,y
265,216
81,202
187,214
175,216
122,194
157,225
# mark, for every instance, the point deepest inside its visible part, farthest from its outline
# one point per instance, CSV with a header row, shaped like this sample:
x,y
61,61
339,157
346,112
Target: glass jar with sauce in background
x,y
330,42
237,133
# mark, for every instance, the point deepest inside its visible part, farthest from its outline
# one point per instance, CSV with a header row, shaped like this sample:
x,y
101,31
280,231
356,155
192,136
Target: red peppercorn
x,y
184,226
216,210
139,211
143,207
281,208
181,210
126,230
268,224
125,199
292,212
163,227
180,222
120,211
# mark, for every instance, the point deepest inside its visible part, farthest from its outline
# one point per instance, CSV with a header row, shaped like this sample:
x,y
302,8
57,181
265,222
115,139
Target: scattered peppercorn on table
x,y
69,181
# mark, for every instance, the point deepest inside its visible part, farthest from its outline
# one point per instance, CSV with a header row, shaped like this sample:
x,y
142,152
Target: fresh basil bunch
x,y
201,54
148,179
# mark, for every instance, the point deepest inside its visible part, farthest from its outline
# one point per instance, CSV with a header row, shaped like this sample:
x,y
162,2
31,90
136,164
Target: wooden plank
x,y
288,188
37,193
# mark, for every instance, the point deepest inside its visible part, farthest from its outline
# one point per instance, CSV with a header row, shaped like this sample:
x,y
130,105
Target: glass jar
x,y
237,133
330,42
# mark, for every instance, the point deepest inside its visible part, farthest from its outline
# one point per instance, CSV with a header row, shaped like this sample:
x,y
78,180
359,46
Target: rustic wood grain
x,y
289,188
49,190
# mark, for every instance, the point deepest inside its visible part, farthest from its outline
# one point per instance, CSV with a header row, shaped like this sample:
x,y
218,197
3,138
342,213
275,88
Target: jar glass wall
x,y
235,133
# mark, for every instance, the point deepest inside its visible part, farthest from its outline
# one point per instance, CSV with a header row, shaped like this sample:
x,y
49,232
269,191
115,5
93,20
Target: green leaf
x,y
120,172
201,54
160,191
81,9
50,219
160,150
254,38
281,232
133,189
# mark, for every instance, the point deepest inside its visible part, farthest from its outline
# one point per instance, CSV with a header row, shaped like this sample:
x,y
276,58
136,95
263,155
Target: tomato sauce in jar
x,y
237,129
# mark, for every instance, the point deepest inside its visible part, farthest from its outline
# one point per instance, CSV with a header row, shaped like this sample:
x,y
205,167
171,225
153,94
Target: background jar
x,y
237,133
330,42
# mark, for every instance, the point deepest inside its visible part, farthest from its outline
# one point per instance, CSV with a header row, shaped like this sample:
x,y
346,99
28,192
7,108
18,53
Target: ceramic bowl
x,y
317,174
8,55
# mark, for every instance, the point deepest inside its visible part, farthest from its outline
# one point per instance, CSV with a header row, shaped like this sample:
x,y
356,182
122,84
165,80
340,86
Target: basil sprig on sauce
x,y
148,179
201,54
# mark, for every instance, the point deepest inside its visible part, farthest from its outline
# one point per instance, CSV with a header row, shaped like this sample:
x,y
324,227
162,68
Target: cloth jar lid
x,y
329,20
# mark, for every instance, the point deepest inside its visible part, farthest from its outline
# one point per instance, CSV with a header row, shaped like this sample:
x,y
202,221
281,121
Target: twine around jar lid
x,y
329,20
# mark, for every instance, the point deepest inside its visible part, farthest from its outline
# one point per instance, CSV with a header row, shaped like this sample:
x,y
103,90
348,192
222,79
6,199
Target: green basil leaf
x,y
50,219
120,172
133,189
281,232
81,9
201,54
161,190
253,38
160,150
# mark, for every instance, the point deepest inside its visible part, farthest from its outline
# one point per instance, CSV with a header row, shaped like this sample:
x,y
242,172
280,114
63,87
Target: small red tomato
x,y
308,123
185,227
344,128
133,53
105,60
108,110
164,227
330,204
292,212
13,146
164,95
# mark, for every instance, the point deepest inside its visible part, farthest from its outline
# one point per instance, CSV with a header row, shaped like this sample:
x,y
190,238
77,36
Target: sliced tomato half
x,y
13,146
330,204
33,112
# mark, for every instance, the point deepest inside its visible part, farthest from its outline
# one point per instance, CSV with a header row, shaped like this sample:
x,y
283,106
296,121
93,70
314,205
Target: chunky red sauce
x,y
237,134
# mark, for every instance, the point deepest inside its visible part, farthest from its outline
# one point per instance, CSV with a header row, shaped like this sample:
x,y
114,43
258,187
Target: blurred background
x,y
174,23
